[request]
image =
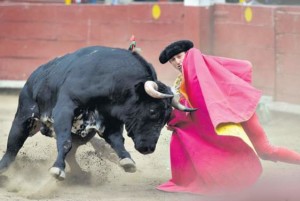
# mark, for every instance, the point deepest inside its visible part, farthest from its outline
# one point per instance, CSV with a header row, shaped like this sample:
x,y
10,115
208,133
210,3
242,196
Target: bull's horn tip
x,y
191,109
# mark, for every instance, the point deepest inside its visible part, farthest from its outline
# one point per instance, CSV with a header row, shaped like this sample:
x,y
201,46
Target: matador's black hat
x,y
173,49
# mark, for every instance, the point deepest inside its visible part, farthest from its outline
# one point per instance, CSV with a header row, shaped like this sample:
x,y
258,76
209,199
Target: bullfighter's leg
x,y
25,124
116,140
263,147
63,114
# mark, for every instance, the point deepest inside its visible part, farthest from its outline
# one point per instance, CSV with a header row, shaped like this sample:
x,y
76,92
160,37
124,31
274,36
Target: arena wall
x,y
33,33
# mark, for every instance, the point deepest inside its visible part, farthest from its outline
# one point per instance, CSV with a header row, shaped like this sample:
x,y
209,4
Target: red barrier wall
x,y
270,41
32,34
254,40
287,29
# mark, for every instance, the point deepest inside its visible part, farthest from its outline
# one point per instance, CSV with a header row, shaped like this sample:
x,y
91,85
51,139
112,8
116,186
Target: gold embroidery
x,y
177,84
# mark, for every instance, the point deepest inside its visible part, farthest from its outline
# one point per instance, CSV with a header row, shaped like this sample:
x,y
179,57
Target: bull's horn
x,y
151,89
176,104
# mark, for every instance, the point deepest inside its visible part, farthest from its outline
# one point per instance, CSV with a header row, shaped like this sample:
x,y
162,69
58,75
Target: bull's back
x,y
86,66
53,74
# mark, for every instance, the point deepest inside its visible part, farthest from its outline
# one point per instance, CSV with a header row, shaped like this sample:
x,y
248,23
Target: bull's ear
x,y
140,91
164,88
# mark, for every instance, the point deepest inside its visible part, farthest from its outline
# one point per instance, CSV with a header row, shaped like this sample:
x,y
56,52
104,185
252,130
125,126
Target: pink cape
x,y
203,162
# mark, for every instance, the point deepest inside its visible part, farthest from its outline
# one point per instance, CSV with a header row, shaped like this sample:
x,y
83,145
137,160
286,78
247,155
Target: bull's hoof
x,y
58,173
128,165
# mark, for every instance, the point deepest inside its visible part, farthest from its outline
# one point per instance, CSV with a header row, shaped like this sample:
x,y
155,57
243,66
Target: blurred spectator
x,y
158,0
281,2
232,1
251,2
267,2
116,2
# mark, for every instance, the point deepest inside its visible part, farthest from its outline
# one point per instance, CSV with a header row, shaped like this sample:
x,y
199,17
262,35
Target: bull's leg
x,y
17,136
63,115
116,140
23,125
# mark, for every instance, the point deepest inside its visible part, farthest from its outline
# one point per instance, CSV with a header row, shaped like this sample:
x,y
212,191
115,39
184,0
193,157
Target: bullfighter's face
x,y
177,60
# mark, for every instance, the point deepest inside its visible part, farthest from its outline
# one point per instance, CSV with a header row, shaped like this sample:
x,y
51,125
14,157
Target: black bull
x,y
93,90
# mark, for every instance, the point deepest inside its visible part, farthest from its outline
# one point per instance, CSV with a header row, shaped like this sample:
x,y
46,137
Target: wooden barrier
x,y
32,34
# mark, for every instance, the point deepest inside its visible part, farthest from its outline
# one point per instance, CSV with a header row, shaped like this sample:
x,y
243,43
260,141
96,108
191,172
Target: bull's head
x,y
149,114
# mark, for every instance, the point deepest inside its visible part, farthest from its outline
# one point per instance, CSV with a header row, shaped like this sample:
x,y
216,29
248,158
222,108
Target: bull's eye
x,y
153,114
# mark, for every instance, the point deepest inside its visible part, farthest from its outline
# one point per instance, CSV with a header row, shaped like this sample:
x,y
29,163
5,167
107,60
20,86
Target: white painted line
x,y
10,84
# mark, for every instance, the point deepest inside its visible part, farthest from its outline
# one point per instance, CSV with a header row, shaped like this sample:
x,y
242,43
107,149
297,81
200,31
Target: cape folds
x,y
202,161
225,84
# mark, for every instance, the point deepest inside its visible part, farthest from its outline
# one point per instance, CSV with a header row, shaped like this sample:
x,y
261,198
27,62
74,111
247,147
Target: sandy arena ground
x,y
28,178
